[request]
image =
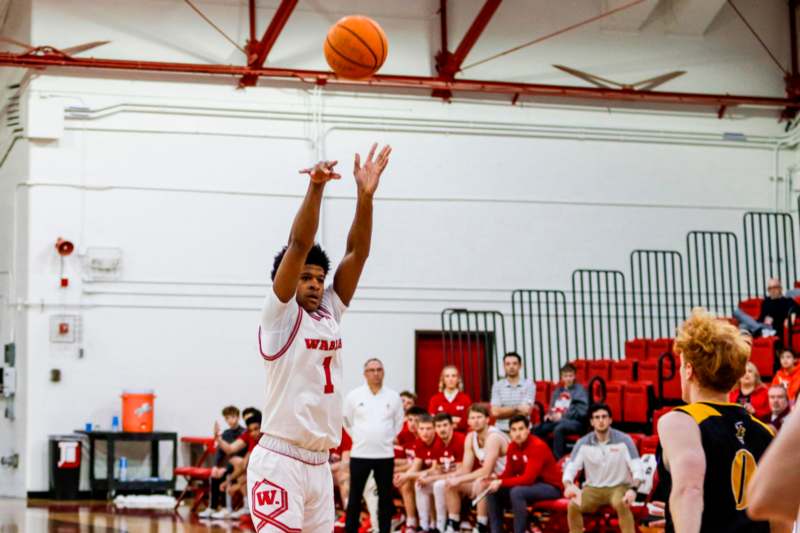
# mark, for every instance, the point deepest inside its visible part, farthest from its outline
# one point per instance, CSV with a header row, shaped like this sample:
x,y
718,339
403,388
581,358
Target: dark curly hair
x,y
316,256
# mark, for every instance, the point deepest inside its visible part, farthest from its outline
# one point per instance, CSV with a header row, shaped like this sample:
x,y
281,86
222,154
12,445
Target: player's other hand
x,y
629,498
399,479
216,429
453,481
369,175
495,485
571,492
322,172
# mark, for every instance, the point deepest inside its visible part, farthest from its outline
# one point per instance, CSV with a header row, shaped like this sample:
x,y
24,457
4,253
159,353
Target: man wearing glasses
x,y
776,307
373,415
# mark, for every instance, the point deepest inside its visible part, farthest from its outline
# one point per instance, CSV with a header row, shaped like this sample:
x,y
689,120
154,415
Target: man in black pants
x,y
373,416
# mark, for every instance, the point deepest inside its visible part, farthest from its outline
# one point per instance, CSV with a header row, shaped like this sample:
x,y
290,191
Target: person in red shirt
x,y
531,474
424,460
450,398
404,453
789,374
448,453
340,468
751,393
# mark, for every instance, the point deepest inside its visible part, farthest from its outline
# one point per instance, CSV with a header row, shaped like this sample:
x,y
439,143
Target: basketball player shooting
x,y
289,481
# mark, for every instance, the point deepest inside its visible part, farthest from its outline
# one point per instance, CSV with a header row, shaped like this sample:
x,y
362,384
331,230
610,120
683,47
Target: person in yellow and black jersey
x,y
709,449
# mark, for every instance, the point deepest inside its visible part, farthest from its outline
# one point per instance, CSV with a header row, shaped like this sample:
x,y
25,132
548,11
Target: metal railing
x,y
540,330
768,250
658,299
600,313
470,336
714,279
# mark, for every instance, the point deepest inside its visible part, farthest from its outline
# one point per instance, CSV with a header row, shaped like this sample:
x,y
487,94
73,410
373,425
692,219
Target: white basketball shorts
x,y
290,489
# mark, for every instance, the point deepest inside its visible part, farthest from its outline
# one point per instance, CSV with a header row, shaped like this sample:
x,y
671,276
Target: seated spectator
x,y
485,452
512,395
789,374
779,406
775,309
531,474
409,400
424,459
751,393
568,406
222,465
612,469
451,399
447,455
236,483
404,453
340,470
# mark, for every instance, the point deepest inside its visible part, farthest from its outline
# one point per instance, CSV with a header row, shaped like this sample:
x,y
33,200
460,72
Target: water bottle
x,y
115,423
123,469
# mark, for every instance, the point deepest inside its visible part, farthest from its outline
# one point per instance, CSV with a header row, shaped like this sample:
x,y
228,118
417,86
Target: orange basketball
x,y
356,47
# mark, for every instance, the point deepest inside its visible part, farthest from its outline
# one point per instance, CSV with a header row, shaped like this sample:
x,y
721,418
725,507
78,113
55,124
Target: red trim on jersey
x,y
291,456
292,335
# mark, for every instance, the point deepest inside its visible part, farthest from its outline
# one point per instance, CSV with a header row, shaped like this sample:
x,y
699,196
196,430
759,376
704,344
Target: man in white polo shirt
x,y
513,395
373,415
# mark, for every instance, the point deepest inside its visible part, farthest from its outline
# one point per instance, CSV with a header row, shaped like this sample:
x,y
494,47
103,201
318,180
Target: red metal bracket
x,y
258,51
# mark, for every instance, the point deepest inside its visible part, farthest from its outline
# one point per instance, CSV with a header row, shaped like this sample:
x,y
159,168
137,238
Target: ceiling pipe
x,y
395,82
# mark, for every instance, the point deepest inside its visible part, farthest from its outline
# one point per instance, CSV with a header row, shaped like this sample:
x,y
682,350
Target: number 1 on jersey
x,y
742,470
326,364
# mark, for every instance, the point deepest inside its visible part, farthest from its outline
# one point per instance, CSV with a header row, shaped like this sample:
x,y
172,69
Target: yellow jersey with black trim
x,y
733,442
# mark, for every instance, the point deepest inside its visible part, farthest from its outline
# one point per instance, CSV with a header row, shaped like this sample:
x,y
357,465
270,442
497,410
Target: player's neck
x,y
705,395
513,380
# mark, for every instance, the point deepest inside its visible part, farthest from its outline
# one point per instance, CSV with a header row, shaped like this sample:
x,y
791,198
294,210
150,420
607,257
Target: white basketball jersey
x,y
302,357
480,453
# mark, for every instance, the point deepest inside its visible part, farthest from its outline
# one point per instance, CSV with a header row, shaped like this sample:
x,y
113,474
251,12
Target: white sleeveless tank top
x,y
480,453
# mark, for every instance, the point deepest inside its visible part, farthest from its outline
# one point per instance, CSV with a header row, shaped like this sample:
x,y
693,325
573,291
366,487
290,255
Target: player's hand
x,y
572,492
369,175
749,408
399,479
495,485
629,498
216,429
322,172
453,481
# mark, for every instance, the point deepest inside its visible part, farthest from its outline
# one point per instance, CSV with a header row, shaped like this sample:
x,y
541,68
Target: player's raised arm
x,y
304,229
367,178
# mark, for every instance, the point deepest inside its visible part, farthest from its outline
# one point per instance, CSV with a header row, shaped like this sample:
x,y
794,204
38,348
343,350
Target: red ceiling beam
x,y
449,64
540,91
258,51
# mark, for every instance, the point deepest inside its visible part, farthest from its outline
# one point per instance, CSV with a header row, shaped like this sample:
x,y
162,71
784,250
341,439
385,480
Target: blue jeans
x,y
749,323
520,497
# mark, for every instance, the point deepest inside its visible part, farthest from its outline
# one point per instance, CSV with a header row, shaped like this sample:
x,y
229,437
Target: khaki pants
x,y
592,498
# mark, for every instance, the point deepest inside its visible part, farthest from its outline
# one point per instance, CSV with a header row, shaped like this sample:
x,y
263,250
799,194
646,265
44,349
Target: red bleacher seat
x,y
636,404
751,306
581,370
649,445
657,347
543,391
615,391
637,439
636,350
624,371
658,413
600,368
648,371
763,355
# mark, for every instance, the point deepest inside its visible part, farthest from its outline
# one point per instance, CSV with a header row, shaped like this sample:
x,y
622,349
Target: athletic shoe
x,y
398,521
206,513
236,515
221,515
767,332
451,527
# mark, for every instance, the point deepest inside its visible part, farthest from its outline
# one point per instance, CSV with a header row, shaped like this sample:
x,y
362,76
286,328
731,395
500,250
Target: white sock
x,y
423,497
440,502
453,517
483,520
411,521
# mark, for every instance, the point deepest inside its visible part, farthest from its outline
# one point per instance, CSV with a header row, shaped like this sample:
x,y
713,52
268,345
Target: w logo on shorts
x,y
269,501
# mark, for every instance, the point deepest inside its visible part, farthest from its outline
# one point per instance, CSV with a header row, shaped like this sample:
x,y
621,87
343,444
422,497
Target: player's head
x,y
231,415
568,373
778,399
788,359
478,417
450,378
409,399
373,372
443,424
512,362
751,377
425,428
713,355
600,418
412,416
312,277
253,422
519,427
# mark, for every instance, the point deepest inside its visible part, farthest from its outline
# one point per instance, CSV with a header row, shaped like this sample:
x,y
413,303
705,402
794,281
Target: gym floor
x,y
17,516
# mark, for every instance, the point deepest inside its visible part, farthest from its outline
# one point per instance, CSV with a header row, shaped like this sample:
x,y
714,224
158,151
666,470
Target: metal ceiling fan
x,y
644,85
